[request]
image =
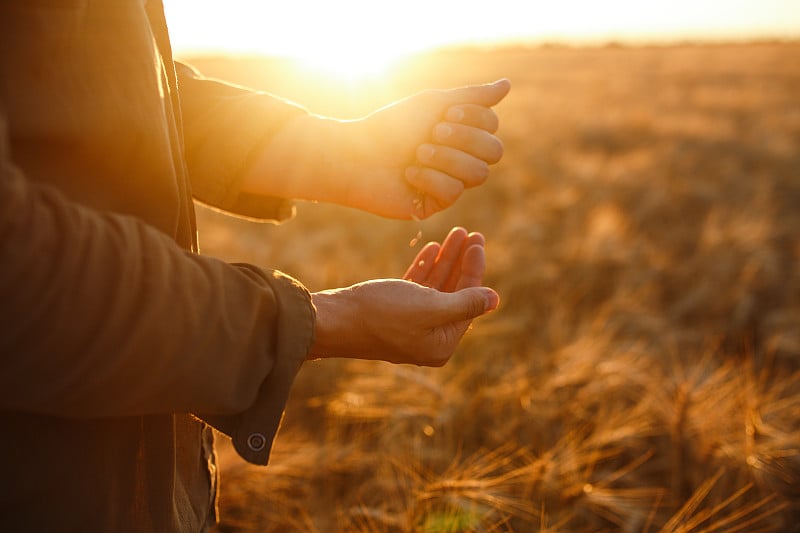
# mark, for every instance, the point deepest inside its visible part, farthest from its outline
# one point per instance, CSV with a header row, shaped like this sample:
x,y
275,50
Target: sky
x,y
358,34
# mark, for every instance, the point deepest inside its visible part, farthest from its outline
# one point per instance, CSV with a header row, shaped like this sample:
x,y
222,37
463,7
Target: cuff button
x,y
256,442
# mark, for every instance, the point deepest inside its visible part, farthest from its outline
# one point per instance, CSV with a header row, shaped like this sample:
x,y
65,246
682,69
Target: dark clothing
x,y
118,342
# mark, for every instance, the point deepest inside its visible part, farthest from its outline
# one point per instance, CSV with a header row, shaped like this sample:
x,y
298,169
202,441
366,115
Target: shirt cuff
x,y
253,431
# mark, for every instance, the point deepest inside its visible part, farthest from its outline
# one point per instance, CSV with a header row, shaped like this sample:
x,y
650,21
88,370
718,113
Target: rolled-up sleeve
x,y
105,316
225,126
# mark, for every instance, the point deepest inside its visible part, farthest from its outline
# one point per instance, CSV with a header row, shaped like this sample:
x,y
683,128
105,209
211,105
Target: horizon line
x,y
536,42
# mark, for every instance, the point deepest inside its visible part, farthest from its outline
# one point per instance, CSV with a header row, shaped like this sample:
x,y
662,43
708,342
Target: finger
x,y
474,141
474,115
486,95
434,184
469,261
448,257
473,239
419,270
473,267
460,165
453,313
476,238
467,304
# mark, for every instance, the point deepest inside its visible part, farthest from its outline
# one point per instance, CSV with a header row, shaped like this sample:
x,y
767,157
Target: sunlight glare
x,y
359,39
346,61
348,40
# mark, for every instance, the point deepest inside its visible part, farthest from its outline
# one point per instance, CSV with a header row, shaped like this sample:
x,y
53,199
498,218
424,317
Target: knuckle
x,y
427,153
475,308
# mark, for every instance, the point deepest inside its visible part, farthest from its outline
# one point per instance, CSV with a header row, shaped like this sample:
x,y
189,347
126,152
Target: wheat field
x,y
641,374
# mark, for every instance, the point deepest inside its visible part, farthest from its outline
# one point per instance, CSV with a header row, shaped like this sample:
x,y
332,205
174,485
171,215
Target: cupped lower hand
x,y
418,320
415,157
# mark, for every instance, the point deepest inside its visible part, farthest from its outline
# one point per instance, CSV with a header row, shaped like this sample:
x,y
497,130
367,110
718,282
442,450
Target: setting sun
x,y
342,39
347,40
346,56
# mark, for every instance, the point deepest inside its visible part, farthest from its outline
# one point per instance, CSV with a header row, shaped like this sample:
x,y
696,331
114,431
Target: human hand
x,y
415,157
402,321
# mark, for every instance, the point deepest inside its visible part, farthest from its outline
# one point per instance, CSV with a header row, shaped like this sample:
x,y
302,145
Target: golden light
x,y
353,39
348,40
347,60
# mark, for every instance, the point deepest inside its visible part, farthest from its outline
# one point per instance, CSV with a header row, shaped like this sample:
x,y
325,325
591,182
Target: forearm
x,y
225,127
106,316
306,159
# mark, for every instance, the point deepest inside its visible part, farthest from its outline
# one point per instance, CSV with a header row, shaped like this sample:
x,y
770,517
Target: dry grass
x,y
642,372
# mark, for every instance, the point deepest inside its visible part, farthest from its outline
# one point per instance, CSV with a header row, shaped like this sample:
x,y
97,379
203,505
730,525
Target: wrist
x,y
301,161
333,314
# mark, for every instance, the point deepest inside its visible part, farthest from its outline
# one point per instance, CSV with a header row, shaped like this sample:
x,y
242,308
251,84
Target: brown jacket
x,y
117,340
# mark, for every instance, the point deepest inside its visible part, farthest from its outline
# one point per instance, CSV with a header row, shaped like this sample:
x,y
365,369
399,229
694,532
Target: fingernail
x,y
454,114
425,153
442,131
492,301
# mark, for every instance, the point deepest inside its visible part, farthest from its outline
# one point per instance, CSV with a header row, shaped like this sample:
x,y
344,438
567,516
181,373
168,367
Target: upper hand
x,y
415,157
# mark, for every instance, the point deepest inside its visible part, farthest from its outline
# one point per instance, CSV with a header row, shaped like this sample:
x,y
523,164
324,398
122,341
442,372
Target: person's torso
x,y
87,100
88,107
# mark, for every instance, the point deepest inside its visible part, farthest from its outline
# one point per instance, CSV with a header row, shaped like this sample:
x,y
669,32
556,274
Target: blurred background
x,y
642,229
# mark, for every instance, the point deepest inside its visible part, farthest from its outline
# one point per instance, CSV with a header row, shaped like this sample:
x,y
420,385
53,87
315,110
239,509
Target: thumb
x,y
488,94
473,302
